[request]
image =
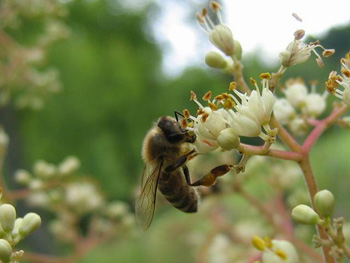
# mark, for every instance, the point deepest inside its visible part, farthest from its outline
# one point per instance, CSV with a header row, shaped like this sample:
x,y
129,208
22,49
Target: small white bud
x,y
7,217
305,215
238,50
5,251
4,141
18,223
228,139
23,177
69,165
44,170
283,111
324,202
296,94
315,104
221,37
346,96
117,209
298,126
30,223
215,60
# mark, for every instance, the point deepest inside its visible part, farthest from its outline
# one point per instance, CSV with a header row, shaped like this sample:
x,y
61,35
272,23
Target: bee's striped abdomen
x,y
175,189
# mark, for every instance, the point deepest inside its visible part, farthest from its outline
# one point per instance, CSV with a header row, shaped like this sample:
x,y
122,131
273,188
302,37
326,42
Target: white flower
x,y
283,111
296,92
298,52
335,80
219,35
83,197
298,126
315,104
253,111
282,251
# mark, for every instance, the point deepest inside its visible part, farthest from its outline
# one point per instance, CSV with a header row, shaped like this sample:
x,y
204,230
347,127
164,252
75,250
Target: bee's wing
x,y
146,201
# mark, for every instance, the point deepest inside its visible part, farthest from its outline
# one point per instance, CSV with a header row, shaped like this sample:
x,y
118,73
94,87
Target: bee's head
x,y
173,131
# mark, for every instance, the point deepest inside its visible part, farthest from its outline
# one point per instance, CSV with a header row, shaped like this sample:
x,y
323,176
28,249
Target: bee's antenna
x,y
177,114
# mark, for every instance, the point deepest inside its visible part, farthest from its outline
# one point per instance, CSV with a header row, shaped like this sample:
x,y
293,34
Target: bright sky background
x,y
267,26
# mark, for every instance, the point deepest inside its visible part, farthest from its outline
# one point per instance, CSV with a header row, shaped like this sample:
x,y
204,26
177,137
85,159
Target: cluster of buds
x,y
275,251
324,204
13,229
334,81
61,190
22,77
220,35
299,105
324,207
229,116
298,52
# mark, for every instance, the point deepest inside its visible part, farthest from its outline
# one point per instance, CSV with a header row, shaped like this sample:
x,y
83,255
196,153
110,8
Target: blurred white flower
x,y
83,197
283,111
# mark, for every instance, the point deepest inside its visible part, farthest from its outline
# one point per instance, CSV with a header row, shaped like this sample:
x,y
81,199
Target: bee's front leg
x,y
210,178
181,161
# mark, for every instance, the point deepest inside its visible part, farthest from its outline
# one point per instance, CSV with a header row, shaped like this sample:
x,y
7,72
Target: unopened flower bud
x,y
5,251
18,223
238,50
7,217
221,37
69,165
324,202
23,177
315,104
215,60
44,170
30,223
228,139
283,111
305,215
4,141
296,93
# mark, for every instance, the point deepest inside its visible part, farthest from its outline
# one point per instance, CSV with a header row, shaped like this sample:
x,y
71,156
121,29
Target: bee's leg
x,y
181,161
210,178
187,175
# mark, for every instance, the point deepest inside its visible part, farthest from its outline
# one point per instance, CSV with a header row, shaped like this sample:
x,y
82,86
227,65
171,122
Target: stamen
x,y
219,97
186,113
207,96
232,86
328,52
265,76
193,96
226,95
213,106
253,81
215,6
200,111
281,254
200,18
346,73
184,123
229,103
299,34
205,116
298,18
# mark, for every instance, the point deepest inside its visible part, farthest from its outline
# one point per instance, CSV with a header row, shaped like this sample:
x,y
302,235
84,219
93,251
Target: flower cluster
x,y
23,78
299,105
61,190
13,229
229,116
276,251
298,52
334,81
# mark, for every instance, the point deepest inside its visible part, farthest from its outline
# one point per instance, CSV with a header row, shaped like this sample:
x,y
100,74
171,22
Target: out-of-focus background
x,y
120,66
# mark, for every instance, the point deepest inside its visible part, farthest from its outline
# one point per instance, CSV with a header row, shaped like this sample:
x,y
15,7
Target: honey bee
x,y
166,149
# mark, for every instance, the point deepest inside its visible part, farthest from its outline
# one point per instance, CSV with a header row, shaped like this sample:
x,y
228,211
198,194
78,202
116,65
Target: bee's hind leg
x,y
210,178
